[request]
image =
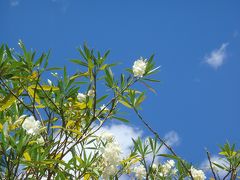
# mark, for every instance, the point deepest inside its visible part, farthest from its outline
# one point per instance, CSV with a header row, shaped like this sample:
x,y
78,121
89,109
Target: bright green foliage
x,y
48,130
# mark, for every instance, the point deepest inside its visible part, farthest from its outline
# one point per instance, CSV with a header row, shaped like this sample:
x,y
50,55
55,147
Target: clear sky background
x,y
197,44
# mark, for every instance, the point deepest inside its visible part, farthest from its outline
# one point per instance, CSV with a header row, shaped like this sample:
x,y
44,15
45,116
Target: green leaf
x,y
101,98
139,100
109,77
169,156
120,119
152,80
149,87
79,62
54,69
125,103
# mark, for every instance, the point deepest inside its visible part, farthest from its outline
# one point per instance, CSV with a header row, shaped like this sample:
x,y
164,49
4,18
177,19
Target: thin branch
x,y
210,163
226,175
162,141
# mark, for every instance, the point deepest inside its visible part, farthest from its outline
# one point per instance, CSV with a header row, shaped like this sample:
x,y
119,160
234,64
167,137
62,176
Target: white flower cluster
x,y
82,97
197,174
40,140
111,159
31,125
140,172
91,92
167,168
139,67
107,137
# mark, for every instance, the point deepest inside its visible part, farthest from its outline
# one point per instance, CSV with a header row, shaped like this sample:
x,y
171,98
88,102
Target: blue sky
x,y
197,44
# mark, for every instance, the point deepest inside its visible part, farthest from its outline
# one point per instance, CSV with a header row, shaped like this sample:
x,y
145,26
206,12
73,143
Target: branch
x,y
162,141
210,162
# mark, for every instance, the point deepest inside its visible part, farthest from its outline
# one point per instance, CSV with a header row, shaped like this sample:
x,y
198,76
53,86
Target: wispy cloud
x,y
172,139
14,3
235,34
62,4
124,134
217,57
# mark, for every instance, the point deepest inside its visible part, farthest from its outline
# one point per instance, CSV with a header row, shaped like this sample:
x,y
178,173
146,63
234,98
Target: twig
x,y
210,162
162,141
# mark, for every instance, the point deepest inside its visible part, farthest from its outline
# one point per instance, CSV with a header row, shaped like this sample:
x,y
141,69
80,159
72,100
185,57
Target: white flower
x,y
197,174
104,107
109,171
40,140
55,74
139,67
31,125
171,163
174,171
107,136
111,154
154,166
49,82
91,92
140,172
81,97
111,159
167,168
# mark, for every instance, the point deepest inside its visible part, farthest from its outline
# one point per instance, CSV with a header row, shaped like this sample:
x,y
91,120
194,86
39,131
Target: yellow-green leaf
x,y
70,123
9,100
56,127
26,156
58,156
87,177
45,87
224,153
125,104
80,105
48,88
31,93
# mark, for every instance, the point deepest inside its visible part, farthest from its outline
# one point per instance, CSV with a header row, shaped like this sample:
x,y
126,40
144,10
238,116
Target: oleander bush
x,y
49,122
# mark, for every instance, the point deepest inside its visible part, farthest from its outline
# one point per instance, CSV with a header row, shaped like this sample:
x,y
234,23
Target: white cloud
x,y
172,138
217,56
215,159
123,134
